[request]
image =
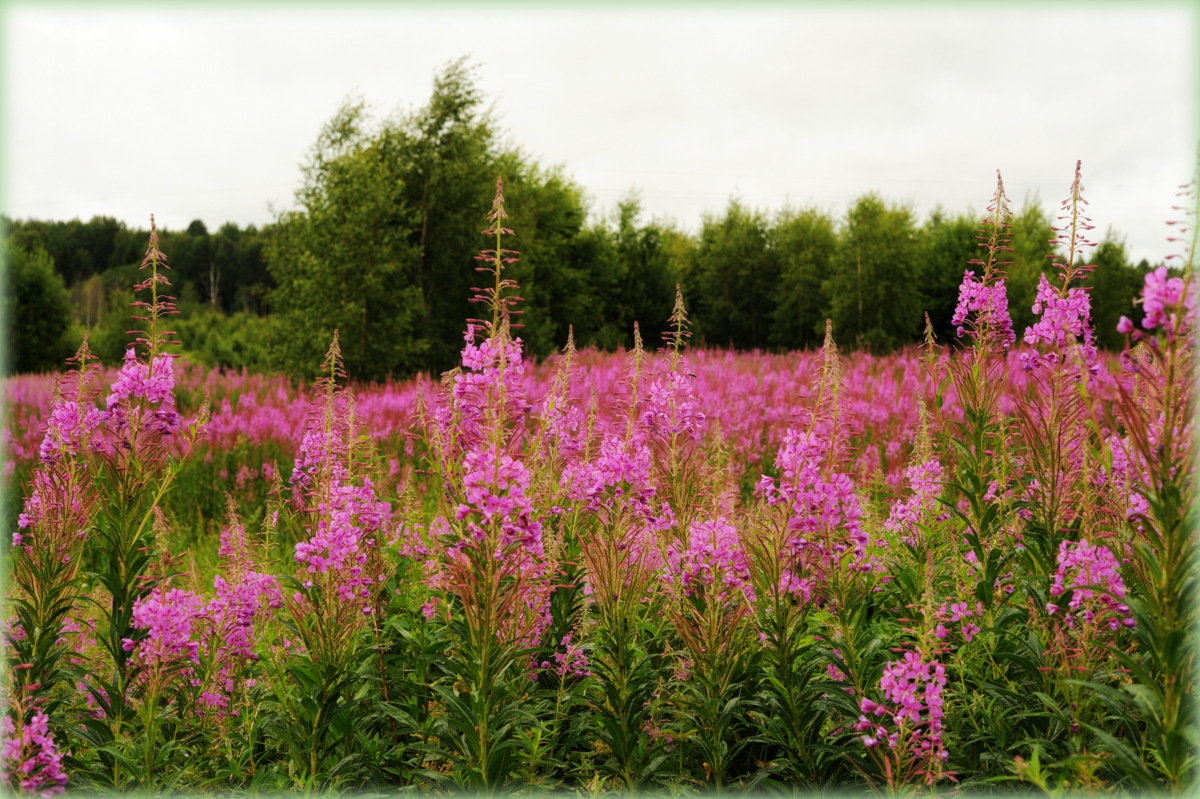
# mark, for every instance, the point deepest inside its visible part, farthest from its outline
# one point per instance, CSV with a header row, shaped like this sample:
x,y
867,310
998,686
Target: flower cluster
x,y
494,492
154,383
989,304
824,520
1092,575
620,471
670,408
1163,298
491,380
349,524
959,612
168,617
30,760
912,690
498,532
1125,478
237,608
571,662
58,508
908,514
321,445
67,429
56,515
1062,321
713,559
345,519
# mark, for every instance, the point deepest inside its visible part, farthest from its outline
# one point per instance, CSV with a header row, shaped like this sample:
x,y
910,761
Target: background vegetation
x,y
392,208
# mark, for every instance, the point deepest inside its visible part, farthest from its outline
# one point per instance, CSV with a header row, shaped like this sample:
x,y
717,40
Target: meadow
x,y
968,565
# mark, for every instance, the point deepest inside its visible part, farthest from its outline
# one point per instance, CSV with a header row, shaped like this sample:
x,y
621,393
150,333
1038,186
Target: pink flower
x,y
154,383
31,758
1163,297
1063,321
825,513
66,429
912,689
1092,574
713,559
989,304
907,514
168,617
670,408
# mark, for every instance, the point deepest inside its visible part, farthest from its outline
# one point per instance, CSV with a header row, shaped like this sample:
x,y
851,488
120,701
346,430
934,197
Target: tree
x,y
87,301
1114,284
874,298
390,217
546,213
241,268
110,338
38,309
627,275
806,243
647,290
734,280
947,245
345,260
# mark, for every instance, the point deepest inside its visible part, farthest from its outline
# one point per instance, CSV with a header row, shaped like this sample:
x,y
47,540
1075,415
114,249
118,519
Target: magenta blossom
x,y
1063,321
31,761
909,720
908,514
168,617
1092,574
713,560
825,514
1163,298
154,383
989,304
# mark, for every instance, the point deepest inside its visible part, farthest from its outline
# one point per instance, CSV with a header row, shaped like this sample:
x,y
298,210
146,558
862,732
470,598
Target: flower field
x,y
969,565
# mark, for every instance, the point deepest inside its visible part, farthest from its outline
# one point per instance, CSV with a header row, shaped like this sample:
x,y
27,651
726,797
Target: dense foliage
x,y
970,565
37,309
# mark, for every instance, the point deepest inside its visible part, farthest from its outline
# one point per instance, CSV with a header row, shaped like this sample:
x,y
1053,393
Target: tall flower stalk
x,y
340,525
1060,439
978,441
486,562
91,513
1158,413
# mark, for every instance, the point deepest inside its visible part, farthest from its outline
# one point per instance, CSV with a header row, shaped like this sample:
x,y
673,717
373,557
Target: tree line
x,y
381,245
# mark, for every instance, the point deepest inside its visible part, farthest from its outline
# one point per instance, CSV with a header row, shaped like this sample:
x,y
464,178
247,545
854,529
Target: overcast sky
x,y
207,111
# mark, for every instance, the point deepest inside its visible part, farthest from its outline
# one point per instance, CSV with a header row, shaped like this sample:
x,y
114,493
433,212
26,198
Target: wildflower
x,y
168,617
153,383
30,760
713,558
907,514
825,513
572,662
620,471
67,427
988,303
1091,574
1063,320
671,408
912,690
491,380
1162,299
